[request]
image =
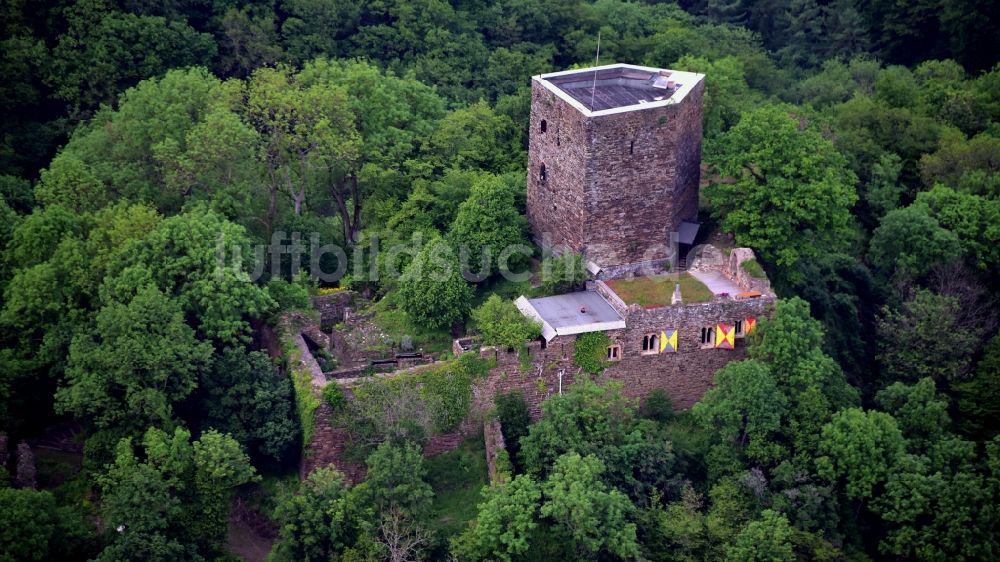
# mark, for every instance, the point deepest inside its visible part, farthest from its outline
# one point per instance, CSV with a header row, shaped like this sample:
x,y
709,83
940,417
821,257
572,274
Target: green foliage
x,y
334,396
288,296
477,137
244,396
767,539
514,417
813,385
34,527
969,165
500,323
432,290
658,406
306,398
176,496
139,360
593,419
184,249
489,231
588,515
927,337
860,450
922,414
909,243
457,477
413,407
590,352
70,184
745,409
397,480
791,195
979,398
727,93
318,522
111,291
935,514
564,273
973,219
754,269
506,518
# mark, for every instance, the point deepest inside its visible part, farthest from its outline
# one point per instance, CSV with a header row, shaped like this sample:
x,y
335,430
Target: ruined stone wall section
x,y
493,438
333,307
685,375
734,271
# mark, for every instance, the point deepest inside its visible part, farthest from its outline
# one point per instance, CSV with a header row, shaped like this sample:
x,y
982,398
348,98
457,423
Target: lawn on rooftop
x,y
657,290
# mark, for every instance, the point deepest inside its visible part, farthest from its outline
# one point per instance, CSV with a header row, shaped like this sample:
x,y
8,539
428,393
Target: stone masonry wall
x,y
556,206
333,306
685,375
615,185
643,178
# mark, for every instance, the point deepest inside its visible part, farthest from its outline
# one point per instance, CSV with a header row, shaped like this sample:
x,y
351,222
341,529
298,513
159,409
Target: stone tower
x,y
614,163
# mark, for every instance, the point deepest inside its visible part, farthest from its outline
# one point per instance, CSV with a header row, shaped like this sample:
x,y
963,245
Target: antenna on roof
x,y
597,61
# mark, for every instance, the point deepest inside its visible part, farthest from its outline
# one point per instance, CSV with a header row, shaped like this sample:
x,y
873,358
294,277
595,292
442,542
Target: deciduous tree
x,y
790,194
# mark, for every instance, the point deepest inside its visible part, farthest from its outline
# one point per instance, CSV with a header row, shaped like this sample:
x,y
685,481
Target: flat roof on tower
x,y
615,88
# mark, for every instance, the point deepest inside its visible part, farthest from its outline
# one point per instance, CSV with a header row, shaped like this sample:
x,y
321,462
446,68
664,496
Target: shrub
x,y
658,406
432,291
563,274
289,296
512,411
753,268
501,324
335,397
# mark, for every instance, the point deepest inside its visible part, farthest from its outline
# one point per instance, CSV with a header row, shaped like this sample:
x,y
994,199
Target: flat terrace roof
x,y
615,88
572,313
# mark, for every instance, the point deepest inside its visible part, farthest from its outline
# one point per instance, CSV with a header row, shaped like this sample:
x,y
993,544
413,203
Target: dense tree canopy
x,y
176,177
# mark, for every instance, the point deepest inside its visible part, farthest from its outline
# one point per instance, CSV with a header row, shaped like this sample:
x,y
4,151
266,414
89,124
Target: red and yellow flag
x,y
749,324
725,336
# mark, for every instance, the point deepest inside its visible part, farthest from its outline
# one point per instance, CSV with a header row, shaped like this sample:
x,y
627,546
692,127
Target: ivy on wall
x,y
591,353
307,399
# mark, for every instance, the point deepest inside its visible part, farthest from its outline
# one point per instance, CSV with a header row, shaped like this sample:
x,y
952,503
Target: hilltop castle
x,y
613,173
614,164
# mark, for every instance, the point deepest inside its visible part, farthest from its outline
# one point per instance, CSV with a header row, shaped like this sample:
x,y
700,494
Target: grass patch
x,y
457,478
396,323
754,269
657,290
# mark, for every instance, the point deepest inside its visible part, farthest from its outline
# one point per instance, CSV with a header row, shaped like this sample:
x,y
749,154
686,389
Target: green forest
x,y
854,145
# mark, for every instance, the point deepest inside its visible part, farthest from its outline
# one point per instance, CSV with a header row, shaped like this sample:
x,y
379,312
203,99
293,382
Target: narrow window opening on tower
x,y
631,147
544,125
542,175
